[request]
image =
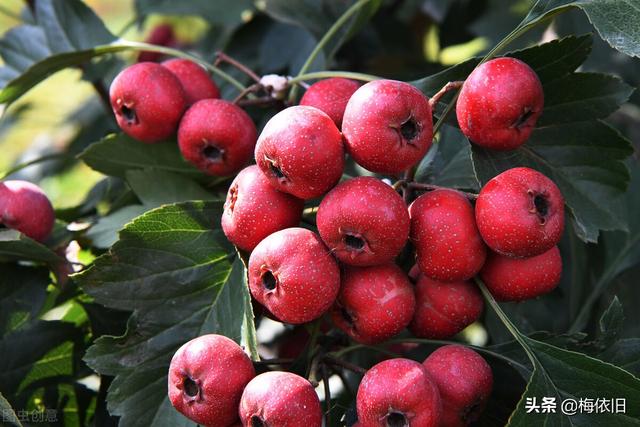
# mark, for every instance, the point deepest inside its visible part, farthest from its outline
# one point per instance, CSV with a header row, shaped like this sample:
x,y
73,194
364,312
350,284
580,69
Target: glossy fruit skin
x,y
465,381
363,221
254,209
387,126
500,103
161,35
331,96
292,273
398,388
513,279
148,101
280,399
25,207
220,370
444,232
194,79
444,309
216,136
300,151
520,213
375,303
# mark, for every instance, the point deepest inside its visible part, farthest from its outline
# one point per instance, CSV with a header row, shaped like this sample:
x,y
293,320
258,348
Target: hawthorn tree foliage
x,y
161,272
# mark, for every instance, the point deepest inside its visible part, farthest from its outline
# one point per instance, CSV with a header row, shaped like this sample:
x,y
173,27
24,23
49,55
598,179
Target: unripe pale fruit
x,y
300,151
292,273
25,207
280,399
465,381
398,393
363,221
206,379
444,309
443,229
217,136
513,279
331,96
520,213
500,103
254,209
148,101
375,303
194,79
387,126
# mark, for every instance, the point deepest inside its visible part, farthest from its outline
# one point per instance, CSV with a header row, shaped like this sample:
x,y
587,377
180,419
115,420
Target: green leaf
x,y
175,270
8,414
117,154
156,187
20,48
23,292
611,323
229,13
15,246
104,233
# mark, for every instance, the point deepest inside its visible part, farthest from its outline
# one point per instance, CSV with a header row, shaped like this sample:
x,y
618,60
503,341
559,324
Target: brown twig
x,y
256,87
344,364
264,101
430,187
267,362
448,87
223,57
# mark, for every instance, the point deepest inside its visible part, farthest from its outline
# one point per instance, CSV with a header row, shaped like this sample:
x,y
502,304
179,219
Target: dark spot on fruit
x,y
129,114
542,205
269,280
523,119
276,171
213,153
190,387
397,419
257,422
409,129
353,242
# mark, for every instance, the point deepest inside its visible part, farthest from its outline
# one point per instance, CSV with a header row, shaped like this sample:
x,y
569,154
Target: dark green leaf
x,y
611,323
624,353
20,48
156,187
23,291
227,13
104,233
15,246
174,268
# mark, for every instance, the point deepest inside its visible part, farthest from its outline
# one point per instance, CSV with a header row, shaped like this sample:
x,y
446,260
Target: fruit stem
x,y
300,78
431,187
327,395
223,57
251,89
325,39
267,362
16,168
330,360
446,88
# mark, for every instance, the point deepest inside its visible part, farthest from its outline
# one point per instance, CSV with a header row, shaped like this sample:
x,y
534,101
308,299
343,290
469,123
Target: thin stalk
x,y
301,78
57,156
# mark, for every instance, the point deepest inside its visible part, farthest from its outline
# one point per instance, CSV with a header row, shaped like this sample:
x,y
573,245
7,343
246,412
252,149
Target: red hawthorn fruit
x,y
398,392
513,279
217,136
520,213
331,96
293,275
254,209
206,379
148,101
500,103
444,309
161,35
375,303
300,151
363,221
443,229
387,126
195,80
25,207
464,380
280,399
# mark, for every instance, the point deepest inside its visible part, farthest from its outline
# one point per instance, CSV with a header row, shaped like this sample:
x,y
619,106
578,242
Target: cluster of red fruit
x,y
213,382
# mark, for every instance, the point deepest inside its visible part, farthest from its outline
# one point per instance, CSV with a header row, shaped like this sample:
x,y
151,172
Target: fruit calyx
x,y
276,171
539,205
129,113
256,421
408,130
191,388
523,119
396,419
268,279
231,200
355,243
212,152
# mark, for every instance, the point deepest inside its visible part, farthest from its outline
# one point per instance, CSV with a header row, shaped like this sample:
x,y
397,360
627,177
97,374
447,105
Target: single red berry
x,y
25,207
500,103
161,35
465,381
206,379
300,151
148,101
444,309
398,393
254,209
292,273
443,229
513,279
363,221
375,303
331,96
280,399
520,213
195,80
217,136
387,126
